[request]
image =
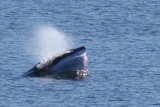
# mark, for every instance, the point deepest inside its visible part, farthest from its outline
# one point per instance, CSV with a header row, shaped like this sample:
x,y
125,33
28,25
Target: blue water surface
x,y
122,38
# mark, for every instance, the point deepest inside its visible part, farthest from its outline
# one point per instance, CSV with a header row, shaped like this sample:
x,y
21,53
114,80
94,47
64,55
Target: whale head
x,y
69,62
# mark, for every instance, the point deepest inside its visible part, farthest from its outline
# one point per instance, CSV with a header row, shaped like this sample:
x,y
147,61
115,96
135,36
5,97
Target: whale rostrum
x,y
71,62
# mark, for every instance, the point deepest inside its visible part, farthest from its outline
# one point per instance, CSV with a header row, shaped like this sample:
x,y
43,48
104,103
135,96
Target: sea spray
x,y
48,41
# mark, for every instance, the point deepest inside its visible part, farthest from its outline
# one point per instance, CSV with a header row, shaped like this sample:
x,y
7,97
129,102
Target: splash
x,y
48,41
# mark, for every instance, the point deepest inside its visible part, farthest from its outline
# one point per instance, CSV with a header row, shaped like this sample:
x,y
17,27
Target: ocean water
x,y
122,38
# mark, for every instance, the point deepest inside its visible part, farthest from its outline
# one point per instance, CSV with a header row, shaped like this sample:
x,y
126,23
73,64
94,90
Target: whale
x,y
71,62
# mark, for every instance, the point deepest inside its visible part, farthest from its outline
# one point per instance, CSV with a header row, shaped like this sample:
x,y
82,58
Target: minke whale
x,y
72,62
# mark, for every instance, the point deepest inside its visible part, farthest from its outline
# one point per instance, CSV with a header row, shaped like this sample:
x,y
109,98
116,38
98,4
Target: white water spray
x,y
48,41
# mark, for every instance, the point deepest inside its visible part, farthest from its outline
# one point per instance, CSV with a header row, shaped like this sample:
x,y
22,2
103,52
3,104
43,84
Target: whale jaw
x,y
73,62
